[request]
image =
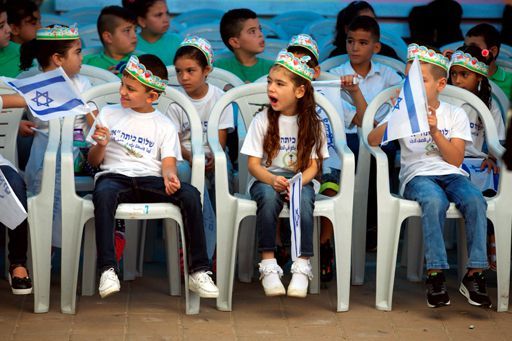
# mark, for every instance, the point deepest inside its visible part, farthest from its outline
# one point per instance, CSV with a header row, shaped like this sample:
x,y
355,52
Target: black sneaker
x,y
437,296
326,262
473,287
19,285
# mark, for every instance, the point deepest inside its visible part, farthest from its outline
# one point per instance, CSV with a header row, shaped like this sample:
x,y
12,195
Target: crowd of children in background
x,y
163,173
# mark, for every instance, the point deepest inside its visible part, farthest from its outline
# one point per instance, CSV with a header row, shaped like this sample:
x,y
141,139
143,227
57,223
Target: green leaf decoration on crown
x,y
58,32
296,65
305,41
202,44
427,55
146,77
469,62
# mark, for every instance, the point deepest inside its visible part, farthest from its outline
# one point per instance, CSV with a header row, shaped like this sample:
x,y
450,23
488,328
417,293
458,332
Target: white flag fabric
x,y
409,114
49,94
295,195
12,212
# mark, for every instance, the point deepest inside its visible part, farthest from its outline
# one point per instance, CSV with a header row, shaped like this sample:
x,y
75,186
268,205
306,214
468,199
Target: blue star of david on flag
x,y
45,96
397,103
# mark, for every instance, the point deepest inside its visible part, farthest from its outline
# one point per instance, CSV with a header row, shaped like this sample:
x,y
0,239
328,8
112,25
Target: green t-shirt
x,y
503,79
164,48
103,61
245,73
10,60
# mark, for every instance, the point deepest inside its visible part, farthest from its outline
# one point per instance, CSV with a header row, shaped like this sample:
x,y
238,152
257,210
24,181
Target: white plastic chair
x,y
395,42
235,208
293,22
218,77
501,100
197,17
84,15
320,29
505,63
273,47
89,35
40,219
96,75
392,209
78,212
53,19
270,30
209,31
333,62
9,125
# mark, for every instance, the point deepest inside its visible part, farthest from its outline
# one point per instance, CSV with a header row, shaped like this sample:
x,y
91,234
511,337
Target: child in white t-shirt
x,y
285,139
431,175
136,148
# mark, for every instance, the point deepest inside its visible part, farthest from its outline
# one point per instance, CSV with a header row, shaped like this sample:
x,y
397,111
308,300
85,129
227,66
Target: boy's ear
x,y
15,30
300,91
152,96
106,36
56,59
317,72
233,41
494,50
208,69
441,84
141,22
376,47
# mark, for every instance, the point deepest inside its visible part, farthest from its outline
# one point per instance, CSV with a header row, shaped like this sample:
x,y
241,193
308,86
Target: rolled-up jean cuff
x,y
438,266
199,268
477,265
266,249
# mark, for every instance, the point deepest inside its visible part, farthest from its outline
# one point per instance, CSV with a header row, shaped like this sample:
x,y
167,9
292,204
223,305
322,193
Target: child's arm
x,y
310,172
451,150
347,83
91,117
210,161
279,183
185,153
169,173
375,136
97,152
13,101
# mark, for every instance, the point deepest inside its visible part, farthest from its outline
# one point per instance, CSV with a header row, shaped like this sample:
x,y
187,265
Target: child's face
x,y
432,86
463,78
136,96
250,39
191,76
72,61
282,92
156,20
124,39
27,29
479,41
361,46
5,30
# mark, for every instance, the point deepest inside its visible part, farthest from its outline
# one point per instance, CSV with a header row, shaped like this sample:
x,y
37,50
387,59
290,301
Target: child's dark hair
x,y
346,16
139,7
2,8
19,10
367,24
484,89
108,20
311,135
153,64
232,23
192,53
312,63
42,50
489,33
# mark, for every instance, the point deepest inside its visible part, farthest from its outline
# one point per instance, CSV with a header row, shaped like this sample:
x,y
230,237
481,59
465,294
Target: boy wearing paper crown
x,y
431,175
132,171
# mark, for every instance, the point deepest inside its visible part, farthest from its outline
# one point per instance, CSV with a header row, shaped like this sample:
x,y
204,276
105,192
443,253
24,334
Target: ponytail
x,y
42,50
27,54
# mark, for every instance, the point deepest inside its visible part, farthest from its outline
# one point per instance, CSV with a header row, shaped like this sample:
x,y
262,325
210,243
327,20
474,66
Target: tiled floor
x,y
144,311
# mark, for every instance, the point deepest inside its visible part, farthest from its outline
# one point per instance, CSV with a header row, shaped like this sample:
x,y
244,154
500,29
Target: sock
x,y
300,279
270,279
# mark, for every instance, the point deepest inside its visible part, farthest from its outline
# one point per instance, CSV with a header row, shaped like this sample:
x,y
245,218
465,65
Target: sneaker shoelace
x,y
204,277
270,269
111,274
479,283
437,285
302,269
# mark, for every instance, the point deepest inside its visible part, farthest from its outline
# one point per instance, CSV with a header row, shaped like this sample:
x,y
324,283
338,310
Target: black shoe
x,y
326,262
437,296
473,287
19,285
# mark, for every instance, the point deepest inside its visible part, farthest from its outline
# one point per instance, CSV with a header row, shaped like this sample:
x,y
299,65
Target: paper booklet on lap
x,y
295,184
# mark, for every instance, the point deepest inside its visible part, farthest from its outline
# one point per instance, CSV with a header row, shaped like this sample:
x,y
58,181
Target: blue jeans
x,y
270,203
113,189
434,194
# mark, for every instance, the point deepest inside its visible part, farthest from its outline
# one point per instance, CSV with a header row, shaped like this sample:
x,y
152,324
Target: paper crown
x,y
296,65
469,62
146,77
202,44
305,41
427,55
58,32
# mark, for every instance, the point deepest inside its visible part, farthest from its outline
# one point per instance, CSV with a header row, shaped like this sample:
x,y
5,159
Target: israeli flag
x,y
49,94
409,113
12,212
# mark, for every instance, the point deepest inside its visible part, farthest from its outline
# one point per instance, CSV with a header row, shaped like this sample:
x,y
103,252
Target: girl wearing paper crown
x,y
282,141
469,70
193,63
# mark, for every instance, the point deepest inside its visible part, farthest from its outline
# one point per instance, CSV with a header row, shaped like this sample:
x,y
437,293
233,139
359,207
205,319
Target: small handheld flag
x,y
12,212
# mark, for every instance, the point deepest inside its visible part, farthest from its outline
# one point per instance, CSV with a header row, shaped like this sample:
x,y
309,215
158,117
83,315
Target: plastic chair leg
x,y
414,255
140,249
132,235
314,286
246,247
227,235
173,257
462,249
89,260
502,230
342,247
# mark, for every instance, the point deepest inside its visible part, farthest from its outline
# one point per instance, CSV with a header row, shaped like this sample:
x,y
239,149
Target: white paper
x,y
295,184
12,212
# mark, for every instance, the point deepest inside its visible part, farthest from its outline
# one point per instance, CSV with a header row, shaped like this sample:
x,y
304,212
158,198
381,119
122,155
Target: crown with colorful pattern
x,y
469,62
427,55
146,77
296,65
202,44
305,41
58,32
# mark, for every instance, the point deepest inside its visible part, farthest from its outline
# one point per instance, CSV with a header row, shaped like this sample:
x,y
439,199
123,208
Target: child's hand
x,y
490,165
210,162
349,83
172,183
448,53
280,183
113,69
101,135
25,128
432,121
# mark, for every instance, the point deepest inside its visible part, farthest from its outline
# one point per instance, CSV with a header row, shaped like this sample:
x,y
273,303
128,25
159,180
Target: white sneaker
x,y
109,283
302,274
202,284
270,276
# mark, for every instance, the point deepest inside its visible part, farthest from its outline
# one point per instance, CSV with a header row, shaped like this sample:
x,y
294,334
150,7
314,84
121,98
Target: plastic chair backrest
x,y
321,29
53,19
92,50
452,46
9,124
84,15
505,63
197,17
218,77
395,42
293,22
333,62
270,30
89,35
209,31
95,75
501,99
273,46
